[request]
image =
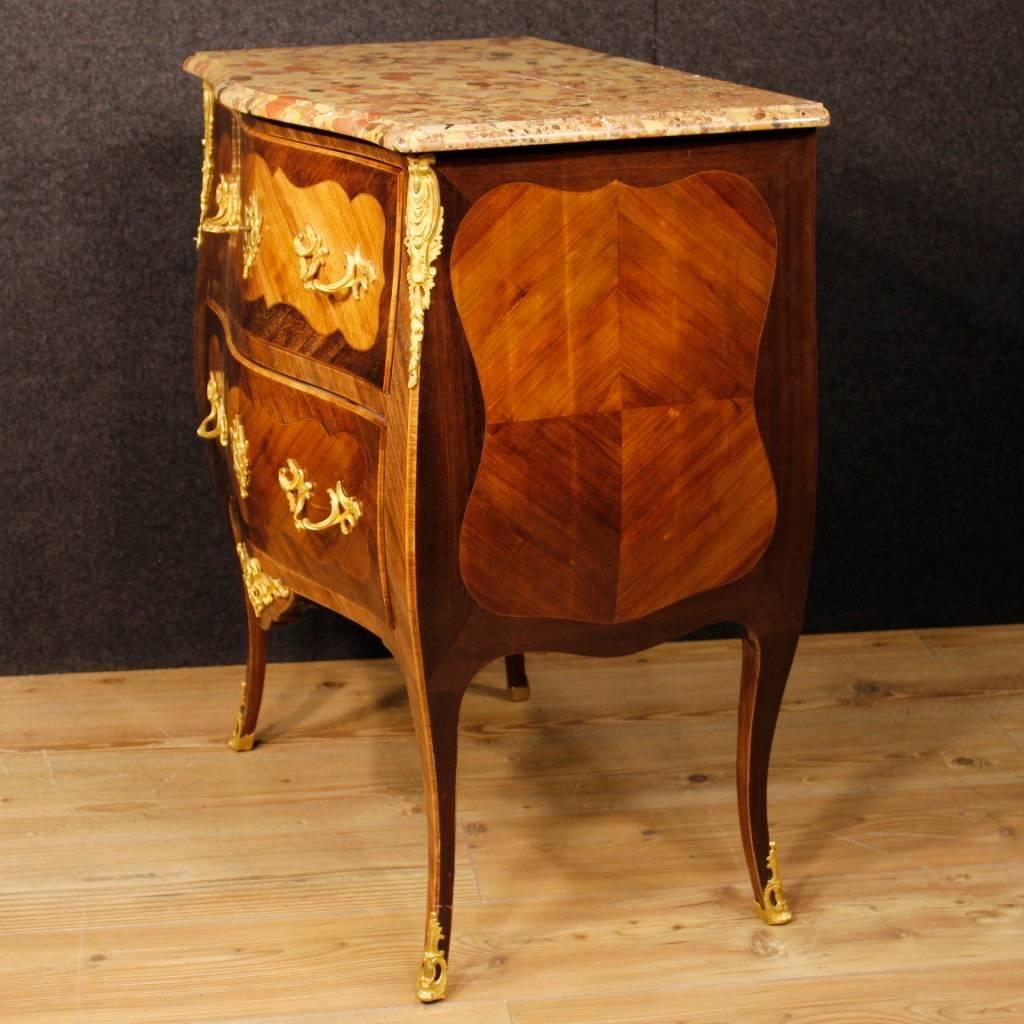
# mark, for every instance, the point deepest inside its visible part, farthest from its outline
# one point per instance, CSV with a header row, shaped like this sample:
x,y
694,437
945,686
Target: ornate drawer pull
x,y
345,510
215,425
360,272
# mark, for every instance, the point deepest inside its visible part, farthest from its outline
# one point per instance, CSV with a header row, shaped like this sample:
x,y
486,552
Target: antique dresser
x,y
504,345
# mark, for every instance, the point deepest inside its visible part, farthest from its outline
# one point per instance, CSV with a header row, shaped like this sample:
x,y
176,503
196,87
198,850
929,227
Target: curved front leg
x,y
766,663
243,735
435,705
266,600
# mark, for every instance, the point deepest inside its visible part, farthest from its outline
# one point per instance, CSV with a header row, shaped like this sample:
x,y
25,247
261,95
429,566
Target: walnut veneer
x,y
489,401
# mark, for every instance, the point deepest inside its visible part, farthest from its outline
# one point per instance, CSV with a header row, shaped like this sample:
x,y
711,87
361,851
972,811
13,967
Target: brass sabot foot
x,y
241,743
773,907
242,740
433,979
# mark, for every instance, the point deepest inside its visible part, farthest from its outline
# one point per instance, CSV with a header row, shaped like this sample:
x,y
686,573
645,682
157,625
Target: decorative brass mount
x,y
433,980
360,272
263,590
228,217
204,187
240,456
240,741
345,510
253,233
424,219
228,194
773,907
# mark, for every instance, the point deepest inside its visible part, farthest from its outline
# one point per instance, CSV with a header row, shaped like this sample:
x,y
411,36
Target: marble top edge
x,y
466,94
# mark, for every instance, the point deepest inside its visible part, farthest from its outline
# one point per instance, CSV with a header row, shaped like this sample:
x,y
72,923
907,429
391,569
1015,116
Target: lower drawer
x,y
306,477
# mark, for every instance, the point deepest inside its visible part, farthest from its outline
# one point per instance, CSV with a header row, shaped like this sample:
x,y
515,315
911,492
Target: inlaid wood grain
x,y
334,443
347,225
452,413
615,335
352,201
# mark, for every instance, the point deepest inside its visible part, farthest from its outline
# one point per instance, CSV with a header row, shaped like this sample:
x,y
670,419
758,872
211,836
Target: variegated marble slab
x,y
483,93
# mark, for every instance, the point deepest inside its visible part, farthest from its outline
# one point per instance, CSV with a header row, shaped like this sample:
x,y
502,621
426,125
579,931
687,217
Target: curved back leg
x,y
766,663
516,681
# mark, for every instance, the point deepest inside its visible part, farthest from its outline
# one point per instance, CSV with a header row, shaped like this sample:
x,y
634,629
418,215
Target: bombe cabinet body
x,y
527,391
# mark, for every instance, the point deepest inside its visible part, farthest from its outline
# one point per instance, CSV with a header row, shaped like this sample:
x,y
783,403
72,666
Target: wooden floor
x,y
150,874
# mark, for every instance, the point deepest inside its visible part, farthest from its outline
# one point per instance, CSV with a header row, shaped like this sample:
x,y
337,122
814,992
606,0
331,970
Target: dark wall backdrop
x,y
112,550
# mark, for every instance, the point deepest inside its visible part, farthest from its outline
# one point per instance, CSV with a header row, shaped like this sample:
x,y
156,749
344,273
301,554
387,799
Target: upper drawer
x,y
318,267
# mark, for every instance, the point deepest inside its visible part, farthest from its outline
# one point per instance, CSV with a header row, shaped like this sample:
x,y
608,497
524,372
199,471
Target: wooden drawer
x,y
318,271
306,479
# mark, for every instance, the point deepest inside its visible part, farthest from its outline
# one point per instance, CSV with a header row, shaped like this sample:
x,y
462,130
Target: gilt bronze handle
x,y
345,510
360,272
215,424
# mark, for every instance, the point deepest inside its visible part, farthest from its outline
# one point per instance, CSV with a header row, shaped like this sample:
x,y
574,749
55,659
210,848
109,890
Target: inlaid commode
x,y
504,345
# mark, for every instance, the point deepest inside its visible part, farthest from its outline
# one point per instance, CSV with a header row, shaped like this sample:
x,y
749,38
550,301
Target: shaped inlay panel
x,y
615,333
351,203
346,224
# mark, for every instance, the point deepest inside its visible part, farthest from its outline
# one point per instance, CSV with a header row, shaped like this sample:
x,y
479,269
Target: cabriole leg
x,y
435,706
439,757
515,677
766,663
244,733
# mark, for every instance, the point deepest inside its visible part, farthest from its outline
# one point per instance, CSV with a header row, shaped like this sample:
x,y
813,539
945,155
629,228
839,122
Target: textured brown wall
x,y
112,552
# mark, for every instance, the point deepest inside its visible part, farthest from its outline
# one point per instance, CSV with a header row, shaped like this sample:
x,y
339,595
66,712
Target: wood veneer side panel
x,y
400,408
787,380
772,594
615,336
450,439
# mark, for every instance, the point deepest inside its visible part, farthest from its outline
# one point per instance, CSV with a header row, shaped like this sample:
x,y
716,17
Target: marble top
x,y
479,93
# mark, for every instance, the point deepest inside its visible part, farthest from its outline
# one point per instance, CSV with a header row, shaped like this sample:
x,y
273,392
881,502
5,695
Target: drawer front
x,y
318,268
306,477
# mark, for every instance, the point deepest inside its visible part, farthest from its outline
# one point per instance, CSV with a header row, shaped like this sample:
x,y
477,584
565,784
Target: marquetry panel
x,y
625,321
351,205
523,552
698,503
334,444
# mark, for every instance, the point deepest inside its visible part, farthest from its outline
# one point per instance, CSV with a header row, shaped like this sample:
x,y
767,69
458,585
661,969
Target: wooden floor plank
x,y
972,995
172,972
659,849
151,875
